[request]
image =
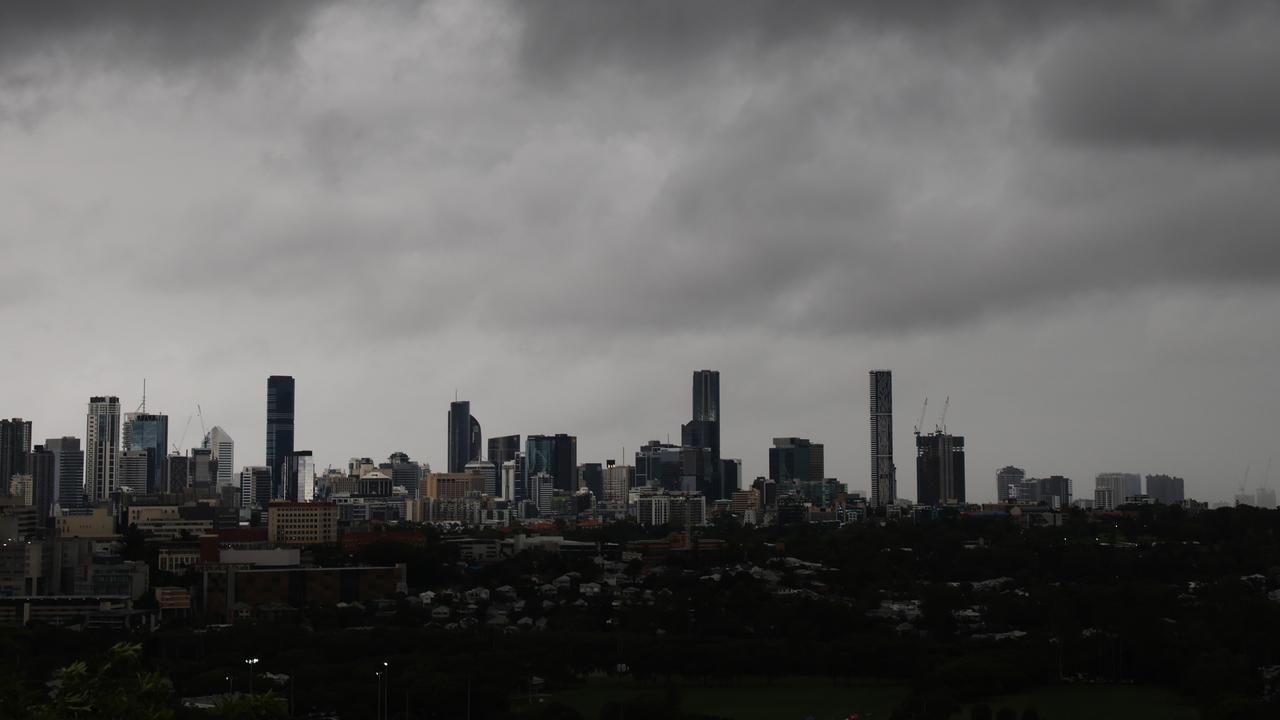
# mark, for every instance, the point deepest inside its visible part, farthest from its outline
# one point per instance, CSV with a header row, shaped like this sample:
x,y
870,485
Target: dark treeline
x,y
1154,597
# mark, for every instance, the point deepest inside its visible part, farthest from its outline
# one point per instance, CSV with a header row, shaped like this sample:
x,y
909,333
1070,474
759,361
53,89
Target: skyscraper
x,y
68,471
557,456
41,465
702,432
15,443
223,449
300,477
255,487
884,481
133,474
939,469
1122,486
149,433
464,436
793,459
1165,489
102,448
280,393
591,477
1008,476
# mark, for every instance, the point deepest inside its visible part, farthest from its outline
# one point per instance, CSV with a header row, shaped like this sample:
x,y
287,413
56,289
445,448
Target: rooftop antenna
x,y
143,407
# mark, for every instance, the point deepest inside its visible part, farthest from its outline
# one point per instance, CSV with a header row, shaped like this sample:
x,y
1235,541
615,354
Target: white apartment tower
x,y
102,448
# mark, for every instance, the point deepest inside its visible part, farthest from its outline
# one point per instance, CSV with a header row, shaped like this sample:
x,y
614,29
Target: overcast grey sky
x,y
1062,215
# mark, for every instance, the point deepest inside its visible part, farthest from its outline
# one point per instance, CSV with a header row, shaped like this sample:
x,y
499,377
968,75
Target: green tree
x,y
117,689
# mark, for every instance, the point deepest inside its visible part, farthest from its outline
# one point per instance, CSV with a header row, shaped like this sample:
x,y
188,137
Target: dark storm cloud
x,y
158,32
562,35
1202,80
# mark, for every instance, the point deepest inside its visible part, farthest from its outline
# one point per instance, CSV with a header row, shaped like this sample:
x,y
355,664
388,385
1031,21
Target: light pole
x,y
230,685
377,713
251,662
386,690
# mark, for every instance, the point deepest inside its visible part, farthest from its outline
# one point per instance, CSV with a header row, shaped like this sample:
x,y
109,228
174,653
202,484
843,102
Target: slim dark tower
x,y
703,431
15,444
279,424
884,481
462,429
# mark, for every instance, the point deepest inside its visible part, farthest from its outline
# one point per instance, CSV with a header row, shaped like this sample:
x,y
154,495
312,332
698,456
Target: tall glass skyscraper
x,y
555,455
703,433
68,471
884,480
464,436
149,433
279,424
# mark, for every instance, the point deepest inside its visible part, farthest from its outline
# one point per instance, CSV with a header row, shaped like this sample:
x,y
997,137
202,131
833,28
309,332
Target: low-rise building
x,y
302,523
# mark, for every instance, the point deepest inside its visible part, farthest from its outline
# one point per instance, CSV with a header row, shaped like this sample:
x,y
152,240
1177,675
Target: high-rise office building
x,y
555,455
658,465
224,451
202,471
406,474
591,477
884,479
464,436
1007,477
793,460
102,448
15,443
68,471
133,474
300,477
488,472
41,466
179,473
511,473
149,433
731,475
1122,486
939,469
1054,491
280,396
255,487
703,432
618,481
1165,489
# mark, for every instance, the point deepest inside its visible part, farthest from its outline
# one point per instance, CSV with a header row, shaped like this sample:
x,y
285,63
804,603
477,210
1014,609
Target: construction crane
x,y
920,422
1245,482
942,419
204,432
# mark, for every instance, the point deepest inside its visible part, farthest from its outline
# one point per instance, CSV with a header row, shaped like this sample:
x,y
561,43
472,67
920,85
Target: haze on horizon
x,y
1063,216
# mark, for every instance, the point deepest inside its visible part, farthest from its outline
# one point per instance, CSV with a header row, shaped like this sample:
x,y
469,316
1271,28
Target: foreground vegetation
x,y
1151,614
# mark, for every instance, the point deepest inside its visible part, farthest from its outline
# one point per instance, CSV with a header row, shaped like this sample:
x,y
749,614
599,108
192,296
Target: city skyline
x,y
980,486
559,209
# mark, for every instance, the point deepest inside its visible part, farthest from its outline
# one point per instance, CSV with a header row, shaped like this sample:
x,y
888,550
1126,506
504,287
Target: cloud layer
x,y
563,208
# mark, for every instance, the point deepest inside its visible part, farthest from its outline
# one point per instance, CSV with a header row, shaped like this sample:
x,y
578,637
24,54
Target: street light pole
x,y
251,662
386,690
377,713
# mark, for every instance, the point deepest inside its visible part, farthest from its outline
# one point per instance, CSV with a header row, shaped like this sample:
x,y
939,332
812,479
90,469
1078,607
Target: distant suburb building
x,y
299,523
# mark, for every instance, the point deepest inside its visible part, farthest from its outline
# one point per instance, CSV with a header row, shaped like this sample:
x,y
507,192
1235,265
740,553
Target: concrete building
x,y
940,469
255,487
134,471
15,444
1007,477
1121,485
1165,489
302,523
68,471
102,448
618,482
488,474
884,482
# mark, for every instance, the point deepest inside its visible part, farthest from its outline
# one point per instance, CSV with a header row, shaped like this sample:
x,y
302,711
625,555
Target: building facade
x,y
280,400
884,482
939,469
102,448
149,433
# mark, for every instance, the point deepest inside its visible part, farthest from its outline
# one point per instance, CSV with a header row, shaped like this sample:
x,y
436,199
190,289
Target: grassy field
x,y
1099,702
800,698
